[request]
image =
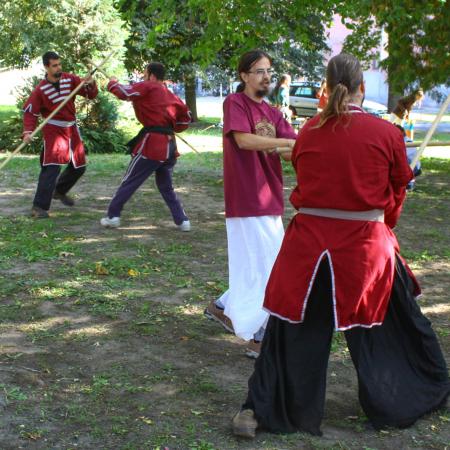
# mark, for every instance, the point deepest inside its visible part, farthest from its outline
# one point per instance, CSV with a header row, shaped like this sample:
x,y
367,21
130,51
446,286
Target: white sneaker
x,y
112,222
185,225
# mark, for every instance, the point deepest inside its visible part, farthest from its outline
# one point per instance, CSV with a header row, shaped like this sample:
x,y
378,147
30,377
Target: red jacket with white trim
x,y
358,164
45,98
154,105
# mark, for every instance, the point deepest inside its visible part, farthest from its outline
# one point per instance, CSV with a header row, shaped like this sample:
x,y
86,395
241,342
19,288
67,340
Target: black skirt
x,y
402,374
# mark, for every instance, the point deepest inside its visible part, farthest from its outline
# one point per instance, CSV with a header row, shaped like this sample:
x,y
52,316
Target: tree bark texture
x,y
190,94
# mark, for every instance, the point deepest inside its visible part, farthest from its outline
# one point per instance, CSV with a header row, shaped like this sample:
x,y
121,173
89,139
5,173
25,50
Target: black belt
x,y
145,130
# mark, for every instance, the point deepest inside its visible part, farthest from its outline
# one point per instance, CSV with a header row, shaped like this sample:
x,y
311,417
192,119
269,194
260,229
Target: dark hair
x,y
285,77
405,104
401,129
246,62
344,76
157,69
46,57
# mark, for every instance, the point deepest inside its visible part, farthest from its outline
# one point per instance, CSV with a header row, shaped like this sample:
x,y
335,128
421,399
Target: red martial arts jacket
x,y
154,105
62,141
354,165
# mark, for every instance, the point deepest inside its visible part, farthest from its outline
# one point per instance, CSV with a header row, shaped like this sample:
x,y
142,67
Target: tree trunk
x,y
393,98
190,94
393,94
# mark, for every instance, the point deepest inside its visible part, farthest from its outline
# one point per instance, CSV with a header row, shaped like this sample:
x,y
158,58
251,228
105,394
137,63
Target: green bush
x,y
97,120
12,127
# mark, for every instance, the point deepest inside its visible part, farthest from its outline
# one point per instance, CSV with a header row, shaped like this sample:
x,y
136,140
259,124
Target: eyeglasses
x,y
261,72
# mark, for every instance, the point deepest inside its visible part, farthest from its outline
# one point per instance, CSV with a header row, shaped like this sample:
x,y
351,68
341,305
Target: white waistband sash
x,y
62,123
373,215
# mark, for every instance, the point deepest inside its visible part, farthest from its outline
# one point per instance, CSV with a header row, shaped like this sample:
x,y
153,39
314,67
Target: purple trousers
x,y
138,171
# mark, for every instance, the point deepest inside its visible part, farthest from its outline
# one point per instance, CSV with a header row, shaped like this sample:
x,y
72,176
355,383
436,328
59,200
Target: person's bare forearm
x,y
248,141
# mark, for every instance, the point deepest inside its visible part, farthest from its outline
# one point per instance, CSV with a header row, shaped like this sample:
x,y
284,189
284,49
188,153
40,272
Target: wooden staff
x,y
430,144
61,105
187,143
408,145
430,132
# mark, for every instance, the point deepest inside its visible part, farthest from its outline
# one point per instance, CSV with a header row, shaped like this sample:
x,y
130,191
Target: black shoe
x,y
65,199
39,213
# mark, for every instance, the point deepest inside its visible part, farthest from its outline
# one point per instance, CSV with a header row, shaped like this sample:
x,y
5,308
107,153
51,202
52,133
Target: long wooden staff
x,y
176,134
187,143
430,132
62,104
408,145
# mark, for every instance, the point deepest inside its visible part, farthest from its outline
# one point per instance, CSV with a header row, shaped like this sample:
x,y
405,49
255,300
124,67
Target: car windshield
x,y
303,91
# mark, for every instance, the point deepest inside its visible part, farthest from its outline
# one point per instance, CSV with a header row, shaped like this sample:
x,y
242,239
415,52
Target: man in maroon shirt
x,y
62,140
253,187
154,149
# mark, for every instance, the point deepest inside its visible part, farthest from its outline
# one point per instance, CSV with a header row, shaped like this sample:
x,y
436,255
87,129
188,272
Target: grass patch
x,y
7,112
103,340
442,136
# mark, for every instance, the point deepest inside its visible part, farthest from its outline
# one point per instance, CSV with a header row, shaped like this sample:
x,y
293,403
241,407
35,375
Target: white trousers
x,y
253,245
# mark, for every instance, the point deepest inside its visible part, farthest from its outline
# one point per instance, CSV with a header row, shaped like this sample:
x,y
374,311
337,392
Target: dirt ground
x,y
103,343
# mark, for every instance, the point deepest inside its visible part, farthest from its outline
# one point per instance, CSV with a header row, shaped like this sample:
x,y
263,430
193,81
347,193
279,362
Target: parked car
x,y
303,100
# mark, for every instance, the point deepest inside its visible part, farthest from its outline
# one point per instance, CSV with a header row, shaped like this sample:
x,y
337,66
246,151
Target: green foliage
x,y
418,48
76,30
206,35
297,61
98,121
11,128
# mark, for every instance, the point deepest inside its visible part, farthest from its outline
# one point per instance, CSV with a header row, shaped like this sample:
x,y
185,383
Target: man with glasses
x,y
253,187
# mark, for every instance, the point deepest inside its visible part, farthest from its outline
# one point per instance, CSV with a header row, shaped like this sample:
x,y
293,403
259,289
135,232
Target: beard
x,y
262,91
58,75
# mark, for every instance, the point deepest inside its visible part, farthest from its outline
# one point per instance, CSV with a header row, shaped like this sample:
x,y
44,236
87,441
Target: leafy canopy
x,y
419,38
75,29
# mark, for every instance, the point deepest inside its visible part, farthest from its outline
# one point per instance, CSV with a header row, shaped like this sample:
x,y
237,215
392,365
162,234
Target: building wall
x,y
11,79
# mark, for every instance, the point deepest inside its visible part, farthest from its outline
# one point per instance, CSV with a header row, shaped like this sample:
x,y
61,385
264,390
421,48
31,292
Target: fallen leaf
x,y
133,273
100,269
146,420
33,436
66,254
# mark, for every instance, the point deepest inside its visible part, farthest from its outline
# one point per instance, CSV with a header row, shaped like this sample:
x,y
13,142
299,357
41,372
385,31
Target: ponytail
x,y
337,104
240,87
344,76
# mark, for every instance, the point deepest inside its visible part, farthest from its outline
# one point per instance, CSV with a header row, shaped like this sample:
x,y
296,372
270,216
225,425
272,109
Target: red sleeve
x,y
235,117
399,177
127,92
32,111
88,90
183,117
284,128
